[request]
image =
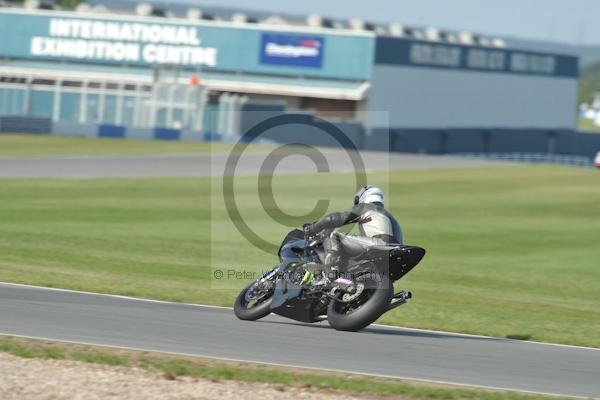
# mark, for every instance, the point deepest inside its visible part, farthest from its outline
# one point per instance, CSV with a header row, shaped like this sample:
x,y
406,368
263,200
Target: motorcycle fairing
x,y
395,259
287,304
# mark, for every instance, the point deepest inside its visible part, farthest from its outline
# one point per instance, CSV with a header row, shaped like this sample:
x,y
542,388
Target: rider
x,y
376,226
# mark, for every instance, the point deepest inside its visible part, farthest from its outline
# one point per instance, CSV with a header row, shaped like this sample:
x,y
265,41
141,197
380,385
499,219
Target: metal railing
x,y
534,158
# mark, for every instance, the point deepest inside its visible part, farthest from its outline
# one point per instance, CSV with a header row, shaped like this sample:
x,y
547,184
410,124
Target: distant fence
x,y
46,126
530,145
25,125
486,141
318,134
534,158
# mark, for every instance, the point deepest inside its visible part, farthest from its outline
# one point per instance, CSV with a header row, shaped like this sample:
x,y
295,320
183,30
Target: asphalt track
x,y
192,165
215,332
378,350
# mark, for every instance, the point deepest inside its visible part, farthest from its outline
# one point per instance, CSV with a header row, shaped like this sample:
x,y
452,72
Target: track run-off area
x,y
196,165
207,331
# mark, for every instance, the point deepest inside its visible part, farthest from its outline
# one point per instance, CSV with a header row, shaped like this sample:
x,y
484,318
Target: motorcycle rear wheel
x,y
371,304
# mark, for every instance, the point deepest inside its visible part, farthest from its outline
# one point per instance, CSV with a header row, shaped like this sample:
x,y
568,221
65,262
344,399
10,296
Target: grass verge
x,y
587,125
24,145
512,251
171,367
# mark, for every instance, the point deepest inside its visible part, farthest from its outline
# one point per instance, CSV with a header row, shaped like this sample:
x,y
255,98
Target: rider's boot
x,y
318,274
328,275
340,281
330,267
314,275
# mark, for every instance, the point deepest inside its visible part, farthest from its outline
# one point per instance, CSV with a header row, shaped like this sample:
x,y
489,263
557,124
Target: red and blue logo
x,y
293,50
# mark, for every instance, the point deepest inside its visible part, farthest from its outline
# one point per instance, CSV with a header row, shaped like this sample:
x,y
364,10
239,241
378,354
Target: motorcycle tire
x,y
251,314
368,312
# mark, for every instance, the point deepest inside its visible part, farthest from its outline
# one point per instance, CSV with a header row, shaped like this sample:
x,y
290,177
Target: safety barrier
x,y
527,145
534,158
112,131
486,141
25,124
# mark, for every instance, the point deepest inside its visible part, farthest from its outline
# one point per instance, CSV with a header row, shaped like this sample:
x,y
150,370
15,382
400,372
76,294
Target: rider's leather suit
x,y
376,226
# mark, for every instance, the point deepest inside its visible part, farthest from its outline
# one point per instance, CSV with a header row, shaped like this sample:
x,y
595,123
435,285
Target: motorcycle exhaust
x,y
399,299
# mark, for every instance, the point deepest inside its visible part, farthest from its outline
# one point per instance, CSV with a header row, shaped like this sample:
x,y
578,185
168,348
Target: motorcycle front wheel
x,y
254,301
355,312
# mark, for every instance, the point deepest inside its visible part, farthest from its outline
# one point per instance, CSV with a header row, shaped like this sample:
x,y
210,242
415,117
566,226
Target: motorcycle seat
x,y
376,251
387,247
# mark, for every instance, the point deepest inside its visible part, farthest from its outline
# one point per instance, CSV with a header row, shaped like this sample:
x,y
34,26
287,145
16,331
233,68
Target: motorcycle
x,y
349,302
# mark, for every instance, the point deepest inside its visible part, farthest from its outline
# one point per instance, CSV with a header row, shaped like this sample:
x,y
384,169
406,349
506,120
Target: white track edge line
x,y
465,385
118,296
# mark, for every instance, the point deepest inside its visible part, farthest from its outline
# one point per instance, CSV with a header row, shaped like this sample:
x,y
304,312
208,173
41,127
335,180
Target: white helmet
x,y
369,194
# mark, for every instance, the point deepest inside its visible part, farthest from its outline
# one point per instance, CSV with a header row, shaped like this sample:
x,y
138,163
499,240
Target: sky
x,y
567,21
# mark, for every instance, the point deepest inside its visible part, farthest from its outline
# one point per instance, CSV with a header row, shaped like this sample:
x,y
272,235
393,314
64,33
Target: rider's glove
x,y
307,228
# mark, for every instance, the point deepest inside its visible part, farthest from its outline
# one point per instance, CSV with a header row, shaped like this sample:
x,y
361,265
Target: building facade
x,y
197,75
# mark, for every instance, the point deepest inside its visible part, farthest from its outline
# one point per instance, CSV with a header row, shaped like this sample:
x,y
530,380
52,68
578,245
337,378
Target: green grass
x,y
512,251
587,125
99,358
20,350
18,145
173,367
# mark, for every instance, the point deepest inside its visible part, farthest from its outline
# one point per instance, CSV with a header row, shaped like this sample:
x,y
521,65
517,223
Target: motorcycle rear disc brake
x,y
348,297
